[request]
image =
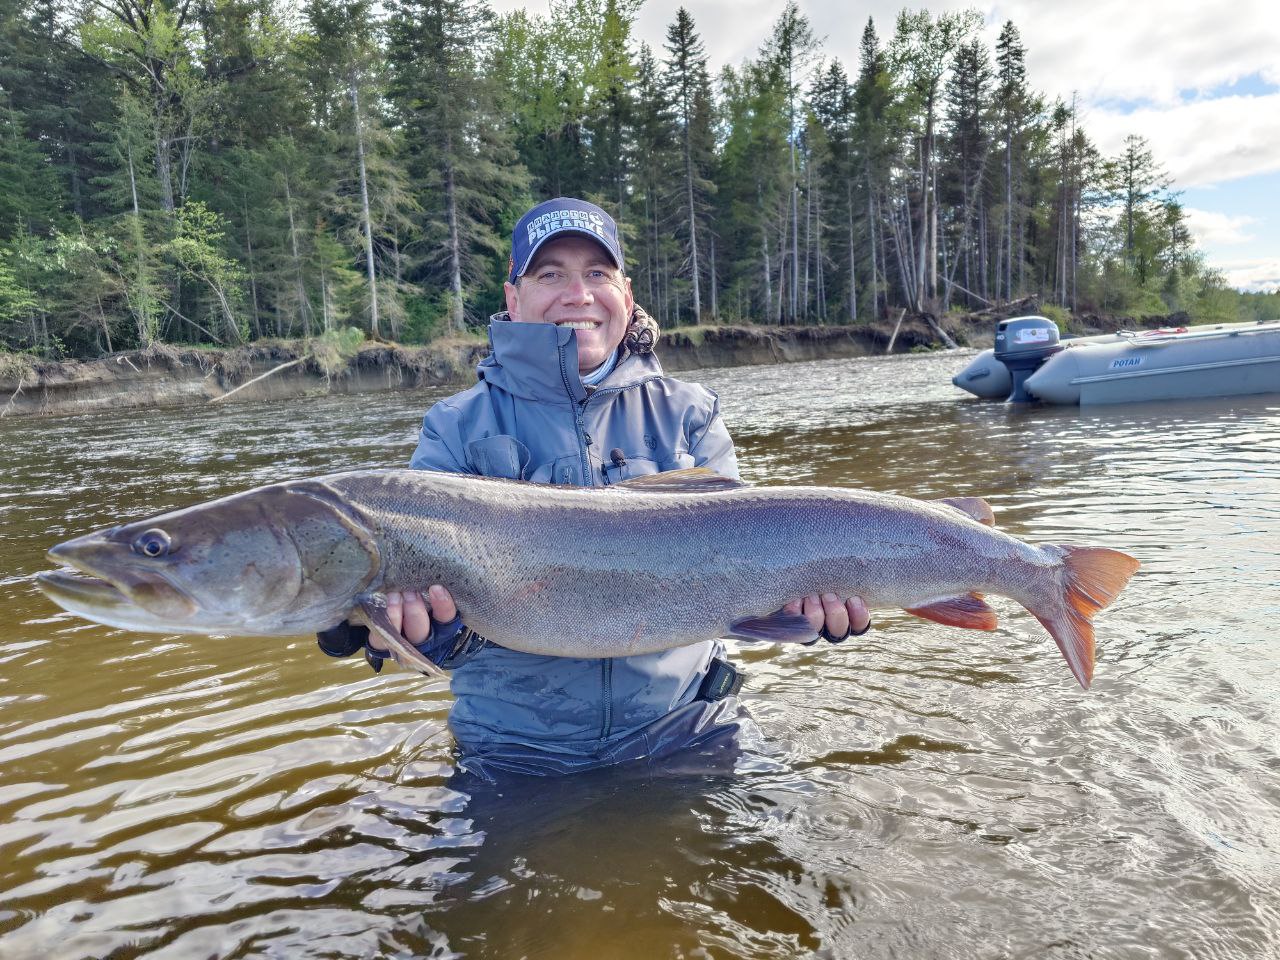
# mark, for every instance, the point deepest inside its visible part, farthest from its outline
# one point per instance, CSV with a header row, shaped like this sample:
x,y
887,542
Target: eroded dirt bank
x,y
166,376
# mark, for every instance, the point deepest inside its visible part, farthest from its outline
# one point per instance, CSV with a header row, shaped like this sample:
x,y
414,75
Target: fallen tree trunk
x,y
896,327
262,376
938,332
1007,308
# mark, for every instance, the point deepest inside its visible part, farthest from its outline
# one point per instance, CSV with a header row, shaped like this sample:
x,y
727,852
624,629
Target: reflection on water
x,y
920,791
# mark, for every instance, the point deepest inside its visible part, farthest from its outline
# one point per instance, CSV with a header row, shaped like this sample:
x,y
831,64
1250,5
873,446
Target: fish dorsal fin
x,y
689,480
776,627
973,507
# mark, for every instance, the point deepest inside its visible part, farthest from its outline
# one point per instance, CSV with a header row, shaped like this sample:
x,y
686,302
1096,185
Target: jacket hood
x,y
539,361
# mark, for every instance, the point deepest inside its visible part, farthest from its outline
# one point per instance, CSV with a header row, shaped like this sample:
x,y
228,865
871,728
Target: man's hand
x,y
834,619
410,614
431,624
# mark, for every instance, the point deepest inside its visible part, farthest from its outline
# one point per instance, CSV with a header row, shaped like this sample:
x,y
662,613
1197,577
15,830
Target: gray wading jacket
x,y
531,418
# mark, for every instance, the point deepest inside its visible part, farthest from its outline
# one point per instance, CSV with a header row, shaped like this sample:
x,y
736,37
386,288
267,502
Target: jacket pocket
x,y
629,469
563,470
500,456
633,467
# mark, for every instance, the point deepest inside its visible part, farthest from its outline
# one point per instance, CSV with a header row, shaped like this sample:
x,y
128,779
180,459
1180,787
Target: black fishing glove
x,y
825,634
445,642
343,640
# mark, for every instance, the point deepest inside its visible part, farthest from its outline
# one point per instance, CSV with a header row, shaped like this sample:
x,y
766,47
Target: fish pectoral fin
x,y
777,627
968,610
373,612
689,480
973,507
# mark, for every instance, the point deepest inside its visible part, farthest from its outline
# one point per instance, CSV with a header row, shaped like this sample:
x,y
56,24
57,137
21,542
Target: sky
x,y
1200,81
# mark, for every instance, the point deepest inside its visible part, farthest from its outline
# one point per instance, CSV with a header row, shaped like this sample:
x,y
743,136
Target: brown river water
x,y
921,791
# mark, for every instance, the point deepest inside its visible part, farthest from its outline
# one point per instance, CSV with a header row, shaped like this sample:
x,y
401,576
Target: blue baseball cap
x,y
556,218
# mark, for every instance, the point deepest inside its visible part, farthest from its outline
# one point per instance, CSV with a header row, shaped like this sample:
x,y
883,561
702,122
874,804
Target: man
x,y
572,393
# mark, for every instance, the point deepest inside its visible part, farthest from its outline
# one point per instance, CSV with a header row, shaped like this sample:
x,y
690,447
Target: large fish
x,y
641,566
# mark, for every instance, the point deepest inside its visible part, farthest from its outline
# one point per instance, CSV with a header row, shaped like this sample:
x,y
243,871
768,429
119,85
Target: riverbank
x,y
167,376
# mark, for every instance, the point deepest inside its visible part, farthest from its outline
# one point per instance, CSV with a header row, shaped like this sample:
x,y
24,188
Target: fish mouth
x,y
125,597
71,587
99,600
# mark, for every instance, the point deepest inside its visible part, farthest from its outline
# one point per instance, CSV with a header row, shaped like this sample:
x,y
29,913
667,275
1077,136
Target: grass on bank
x,y
16,367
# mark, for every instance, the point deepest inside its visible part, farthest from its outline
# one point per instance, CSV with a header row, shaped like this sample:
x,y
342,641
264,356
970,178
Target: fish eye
x,y
152,543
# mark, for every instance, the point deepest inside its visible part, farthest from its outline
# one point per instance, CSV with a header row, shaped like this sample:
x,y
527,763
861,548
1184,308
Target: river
x,y
917,792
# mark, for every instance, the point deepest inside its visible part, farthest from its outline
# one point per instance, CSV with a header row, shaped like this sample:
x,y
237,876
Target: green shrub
x,y
333,348
1059,315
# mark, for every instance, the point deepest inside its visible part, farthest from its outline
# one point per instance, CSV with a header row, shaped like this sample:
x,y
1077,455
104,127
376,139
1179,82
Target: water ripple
x,y
915,792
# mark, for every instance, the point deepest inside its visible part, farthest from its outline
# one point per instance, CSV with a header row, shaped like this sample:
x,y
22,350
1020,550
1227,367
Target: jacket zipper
x,y
582,410
583,444
606,685
606,665
580,407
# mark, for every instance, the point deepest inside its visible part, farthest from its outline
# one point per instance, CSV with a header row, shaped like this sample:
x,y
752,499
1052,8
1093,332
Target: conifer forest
x,y
223,171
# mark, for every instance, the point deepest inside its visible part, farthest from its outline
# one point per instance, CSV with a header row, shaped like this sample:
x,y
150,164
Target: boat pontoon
x,y
1031,362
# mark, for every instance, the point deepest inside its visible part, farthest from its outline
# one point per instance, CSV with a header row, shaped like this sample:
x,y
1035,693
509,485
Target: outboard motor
x,y
1022,344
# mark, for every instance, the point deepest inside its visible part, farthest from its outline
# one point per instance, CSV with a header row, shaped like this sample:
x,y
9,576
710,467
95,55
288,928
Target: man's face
x,y
572,282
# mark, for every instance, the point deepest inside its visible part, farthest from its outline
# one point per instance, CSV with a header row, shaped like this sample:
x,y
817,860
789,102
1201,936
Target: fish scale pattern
x,y
613,571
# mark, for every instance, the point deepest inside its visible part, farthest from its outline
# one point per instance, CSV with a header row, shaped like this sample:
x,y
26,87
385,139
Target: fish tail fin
x,y
1087,581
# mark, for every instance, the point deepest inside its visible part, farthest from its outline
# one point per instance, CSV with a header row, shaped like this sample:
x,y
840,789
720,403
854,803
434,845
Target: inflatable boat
x,y
1031,363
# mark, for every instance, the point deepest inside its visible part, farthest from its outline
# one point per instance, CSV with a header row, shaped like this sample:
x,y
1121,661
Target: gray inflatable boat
x,y
1217,360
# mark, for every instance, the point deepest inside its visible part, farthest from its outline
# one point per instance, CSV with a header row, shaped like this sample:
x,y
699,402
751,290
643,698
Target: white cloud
x,y
1112,53
1218,229
1260,275
1202,142
1136,51
1137,67
1130,50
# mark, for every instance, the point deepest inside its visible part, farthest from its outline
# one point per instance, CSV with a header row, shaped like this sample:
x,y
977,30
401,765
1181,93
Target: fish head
x,y
279,560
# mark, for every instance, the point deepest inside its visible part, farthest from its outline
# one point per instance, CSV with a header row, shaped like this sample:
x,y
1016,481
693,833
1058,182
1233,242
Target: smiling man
x,y
572,393
574,284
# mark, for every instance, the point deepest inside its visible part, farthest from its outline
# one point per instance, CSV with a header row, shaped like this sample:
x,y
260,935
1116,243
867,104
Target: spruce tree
x,y
688,89
461,158
1138,183
788,53
367,182
1015,107
610,111
965,151
651,225
873,149
830,146
922,49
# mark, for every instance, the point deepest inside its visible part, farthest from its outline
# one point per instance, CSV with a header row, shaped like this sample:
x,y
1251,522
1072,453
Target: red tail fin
x,y
1092,577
